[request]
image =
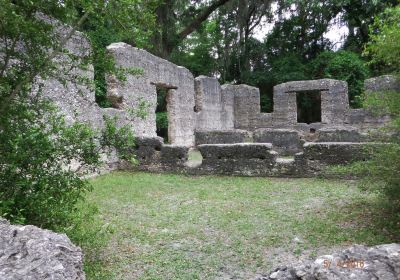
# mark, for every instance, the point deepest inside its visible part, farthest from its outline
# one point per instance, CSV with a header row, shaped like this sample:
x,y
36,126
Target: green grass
x,y
177,227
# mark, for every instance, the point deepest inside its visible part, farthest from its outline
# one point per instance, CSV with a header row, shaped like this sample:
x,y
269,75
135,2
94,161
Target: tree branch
x,y
200,18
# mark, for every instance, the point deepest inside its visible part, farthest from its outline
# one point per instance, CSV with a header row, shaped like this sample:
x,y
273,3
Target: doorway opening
x,y
308,106
162,113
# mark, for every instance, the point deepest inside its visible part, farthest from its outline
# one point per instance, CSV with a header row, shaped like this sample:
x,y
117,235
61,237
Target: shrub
x,y
382,172
342,65
43,160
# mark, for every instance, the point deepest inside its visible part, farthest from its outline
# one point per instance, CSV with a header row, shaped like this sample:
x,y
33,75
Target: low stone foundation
x,y
250,159
223,137
284,141
340,134
153,155
245,159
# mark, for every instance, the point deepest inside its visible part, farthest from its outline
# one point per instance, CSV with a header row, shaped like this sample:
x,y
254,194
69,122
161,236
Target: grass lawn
x,y
166,226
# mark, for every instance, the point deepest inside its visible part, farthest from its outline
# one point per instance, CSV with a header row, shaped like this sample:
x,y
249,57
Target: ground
x,y
179,227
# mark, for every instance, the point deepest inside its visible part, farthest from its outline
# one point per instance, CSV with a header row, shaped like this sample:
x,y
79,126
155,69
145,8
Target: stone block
x,y
340,134
28,252
285,141
222,137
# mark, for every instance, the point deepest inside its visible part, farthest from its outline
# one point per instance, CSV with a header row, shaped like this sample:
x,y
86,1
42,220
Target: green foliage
x,y
382,172
42,158
89,232
384,47
142,109
342,65
162,120
120,138
128,21
37,185
196,53
288,68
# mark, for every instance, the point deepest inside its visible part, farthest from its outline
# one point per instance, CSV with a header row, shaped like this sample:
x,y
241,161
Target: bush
x,y
382,173
43,160
36,148
342,65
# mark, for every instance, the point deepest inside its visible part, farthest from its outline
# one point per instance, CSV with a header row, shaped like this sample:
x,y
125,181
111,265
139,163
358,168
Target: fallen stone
x,y
358,262
31,253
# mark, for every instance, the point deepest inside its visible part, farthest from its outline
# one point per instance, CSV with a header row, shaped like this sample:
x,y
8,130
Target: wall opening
x,y
266,100
162,121
195,158
308,106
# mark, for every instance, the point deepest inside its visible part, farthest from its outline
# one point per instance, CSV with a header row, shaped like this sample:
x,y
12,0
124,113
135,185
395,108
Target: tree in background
x,y
342,65
224,45
383,48
131,21
176,20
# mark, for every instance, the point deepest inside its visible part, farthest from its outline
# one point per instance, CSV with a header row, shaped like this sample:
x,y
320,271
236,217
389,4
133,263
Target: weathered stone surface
x,y
284,141
364,119
334,101
246,105
359,262
31,253
240,150
141,89
208,104
227,115
244,159
382,83
75,100
317,157
174,155
223,137
335,152
148,150
262,120
340,134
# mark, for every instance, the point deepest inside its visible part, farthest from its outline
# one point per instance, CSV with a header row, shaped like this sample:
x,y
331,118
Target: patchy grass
x,y
177,227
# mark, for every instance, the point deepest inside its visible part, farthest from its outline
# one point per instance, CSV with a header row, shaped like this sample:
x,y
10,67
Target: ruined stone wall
x,y
363,119
334,101
227,115
75,100
208,104
142,88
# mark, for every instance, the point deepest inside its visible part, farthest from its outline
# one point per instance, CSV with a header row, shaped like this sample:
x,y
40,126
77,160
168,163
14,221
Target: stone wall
x,y
208,106
75,100
137,89
334,101
364,119
227,99
223,137
200,111
285,141
244,159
